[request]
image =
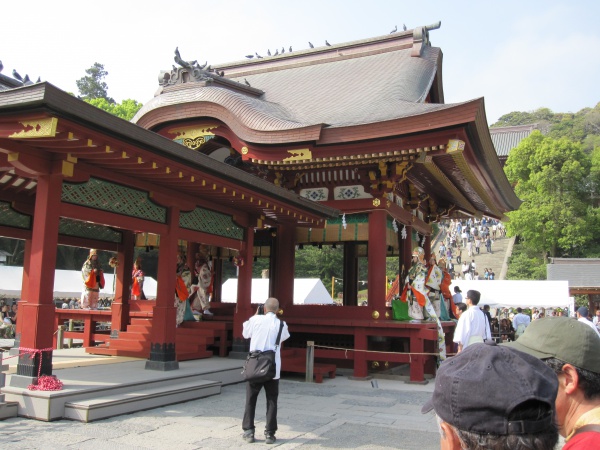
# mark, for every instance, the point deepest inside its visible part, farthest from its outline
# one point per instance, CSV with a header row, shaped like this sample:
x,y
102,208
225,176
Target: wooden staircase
x,y
192,340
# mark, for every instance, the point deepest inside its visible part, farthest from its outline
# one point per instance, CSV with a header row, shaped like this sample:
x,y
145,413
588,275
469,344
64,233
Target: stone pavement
x,y
339,413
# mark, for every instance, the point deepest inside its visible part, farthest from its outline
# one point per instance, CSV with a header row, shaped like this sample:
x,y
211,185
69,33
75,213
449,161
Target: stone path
x,y
339,413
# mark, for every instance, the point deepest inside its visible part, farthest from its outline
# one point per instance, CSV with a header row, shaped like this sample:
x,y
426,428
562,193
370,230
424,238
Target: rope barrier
x,y
346,350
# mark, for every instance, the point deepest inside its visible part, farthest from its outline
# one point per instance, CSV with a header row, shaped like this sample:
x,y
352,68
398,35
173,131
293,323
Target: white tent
x,y
307,291
67,283
518,293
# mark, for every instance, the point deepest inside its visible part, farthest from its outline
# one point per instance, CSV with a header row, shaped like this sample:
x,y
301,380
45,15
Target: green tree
x,y
93,84
552,178
125,110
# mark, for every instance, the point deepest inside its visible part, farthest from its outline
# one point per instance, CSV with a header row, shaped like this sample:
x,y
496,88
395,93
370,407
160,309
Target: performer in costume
x,y
137,281
93,281
200,297
416,290
445,288
182,290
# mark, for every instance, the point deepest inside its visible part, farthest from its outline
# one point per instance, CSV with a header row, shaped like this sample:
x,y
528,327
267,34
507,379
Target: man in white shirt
x,y
582,316
596,318
472,326
262,330
520,322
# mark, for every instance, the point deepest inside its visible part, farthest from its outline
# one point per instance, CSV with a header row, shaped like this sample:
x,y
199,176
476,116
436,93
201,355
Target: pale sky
x,y
518,55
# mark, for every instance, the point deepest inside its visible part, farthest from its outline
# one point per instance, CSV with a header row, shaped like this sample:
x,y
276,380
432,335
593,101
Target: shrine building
x,y
349,145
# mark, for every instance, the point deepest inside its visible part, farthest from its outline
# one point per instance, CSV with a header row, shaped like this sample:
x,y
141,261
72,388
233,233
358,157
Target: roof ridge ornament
x,y
421,37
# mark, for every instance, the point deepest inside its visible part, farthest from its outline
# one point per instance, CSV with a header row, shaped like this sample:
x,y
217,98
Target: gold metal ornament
x,y
375,364
375,315
387,314
376,202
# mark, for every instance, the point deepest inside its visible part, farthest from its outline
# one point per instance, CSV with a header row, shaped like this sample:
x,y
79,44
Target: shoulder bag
x,y
260,366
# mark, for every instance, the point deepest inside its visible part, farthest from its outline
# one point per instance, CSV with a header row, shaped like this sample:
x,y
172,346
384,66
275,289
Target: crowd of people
x,y
463,240
550,370
8,318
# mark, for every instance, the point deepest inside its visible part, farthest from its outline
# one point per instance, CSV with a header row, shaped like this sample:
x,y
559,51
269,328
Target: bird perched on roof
x,y
310,44
39,80
327,43
257,55
269,52
221,73
394,30
282,50
249,56
404,26
16,75
290,49
27,81
209,68
276,52
1,66
247,82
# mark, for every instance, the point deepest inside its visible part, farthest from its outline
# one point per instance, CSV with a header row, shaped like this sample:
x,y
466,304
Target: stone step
x,y
137,400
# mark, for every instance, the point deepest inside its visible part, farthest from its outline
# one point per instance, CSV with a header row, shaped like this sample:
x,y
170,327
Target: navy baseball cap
x,y
478,389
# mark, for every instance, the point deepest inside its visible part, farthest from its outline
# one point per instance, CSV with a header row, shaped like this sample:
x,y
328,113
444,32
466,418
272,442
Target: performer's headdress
x,y
418,251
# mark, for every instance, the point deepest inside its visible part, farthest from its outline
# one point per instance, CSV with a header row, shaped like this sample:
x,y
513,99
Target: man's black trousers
x,y
252,391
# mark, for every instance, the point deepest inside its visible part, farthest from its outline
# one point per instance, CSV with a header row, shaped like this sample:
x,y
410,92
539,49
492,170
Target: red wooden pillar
x,y
282,277
350,274
243,309
361,371
162,347
24,295
37,312
376,260
120,304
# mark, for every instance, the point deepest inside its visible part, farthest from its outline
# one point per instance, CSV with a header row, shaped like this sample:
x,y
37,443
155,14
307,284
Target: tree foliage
x,y
93,85
125,110
583,126
553,178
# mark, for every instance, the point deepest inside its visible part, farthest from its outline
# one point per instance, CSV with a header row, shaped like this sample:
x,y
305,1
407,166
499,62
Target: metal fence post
x,y
70,340
59,337
310,360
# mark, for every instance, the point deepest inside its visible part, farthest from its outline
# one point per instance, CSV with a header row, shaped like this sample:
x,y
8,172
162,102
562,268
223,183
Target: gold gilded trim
x,y
195,136
39,129
301,154
455,145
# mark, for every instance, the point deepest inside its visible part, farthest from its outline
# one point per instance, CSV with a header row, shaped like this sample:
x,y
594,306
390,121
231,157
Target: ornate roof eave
x,y
496,179
45,100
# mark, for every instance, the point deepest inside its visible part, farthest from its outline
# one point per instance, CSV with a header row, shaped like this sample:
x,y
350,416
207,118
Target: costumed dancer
x,y
93,281
433,282
200,297
182,290
445,288
137,281
417,294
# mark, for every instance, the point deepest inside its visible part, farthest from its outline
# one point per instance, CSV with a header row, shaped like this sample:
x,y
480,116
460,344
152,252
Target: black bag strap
x,y
279,334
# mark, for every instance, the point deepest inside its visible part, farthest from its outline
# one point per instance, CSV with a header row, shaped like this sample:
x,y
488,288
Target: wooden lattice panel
x,y
69,227
211,222
106,196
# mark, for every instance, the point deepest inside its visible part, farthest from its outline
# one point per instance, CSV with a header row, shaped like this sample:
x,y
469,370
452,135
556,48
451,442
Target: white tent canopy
x,y
518,293
307,291
67,283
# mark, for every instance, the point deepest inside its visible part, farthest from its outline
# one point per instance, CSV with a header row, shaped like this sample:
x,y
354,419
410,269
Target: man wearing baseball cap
x,y
572,350
493,397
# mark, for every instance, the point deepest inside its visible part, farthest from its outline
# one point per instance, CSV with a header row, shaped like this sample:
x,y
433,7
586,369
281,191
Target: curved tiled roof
x,y
507,138
253,113
336,91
